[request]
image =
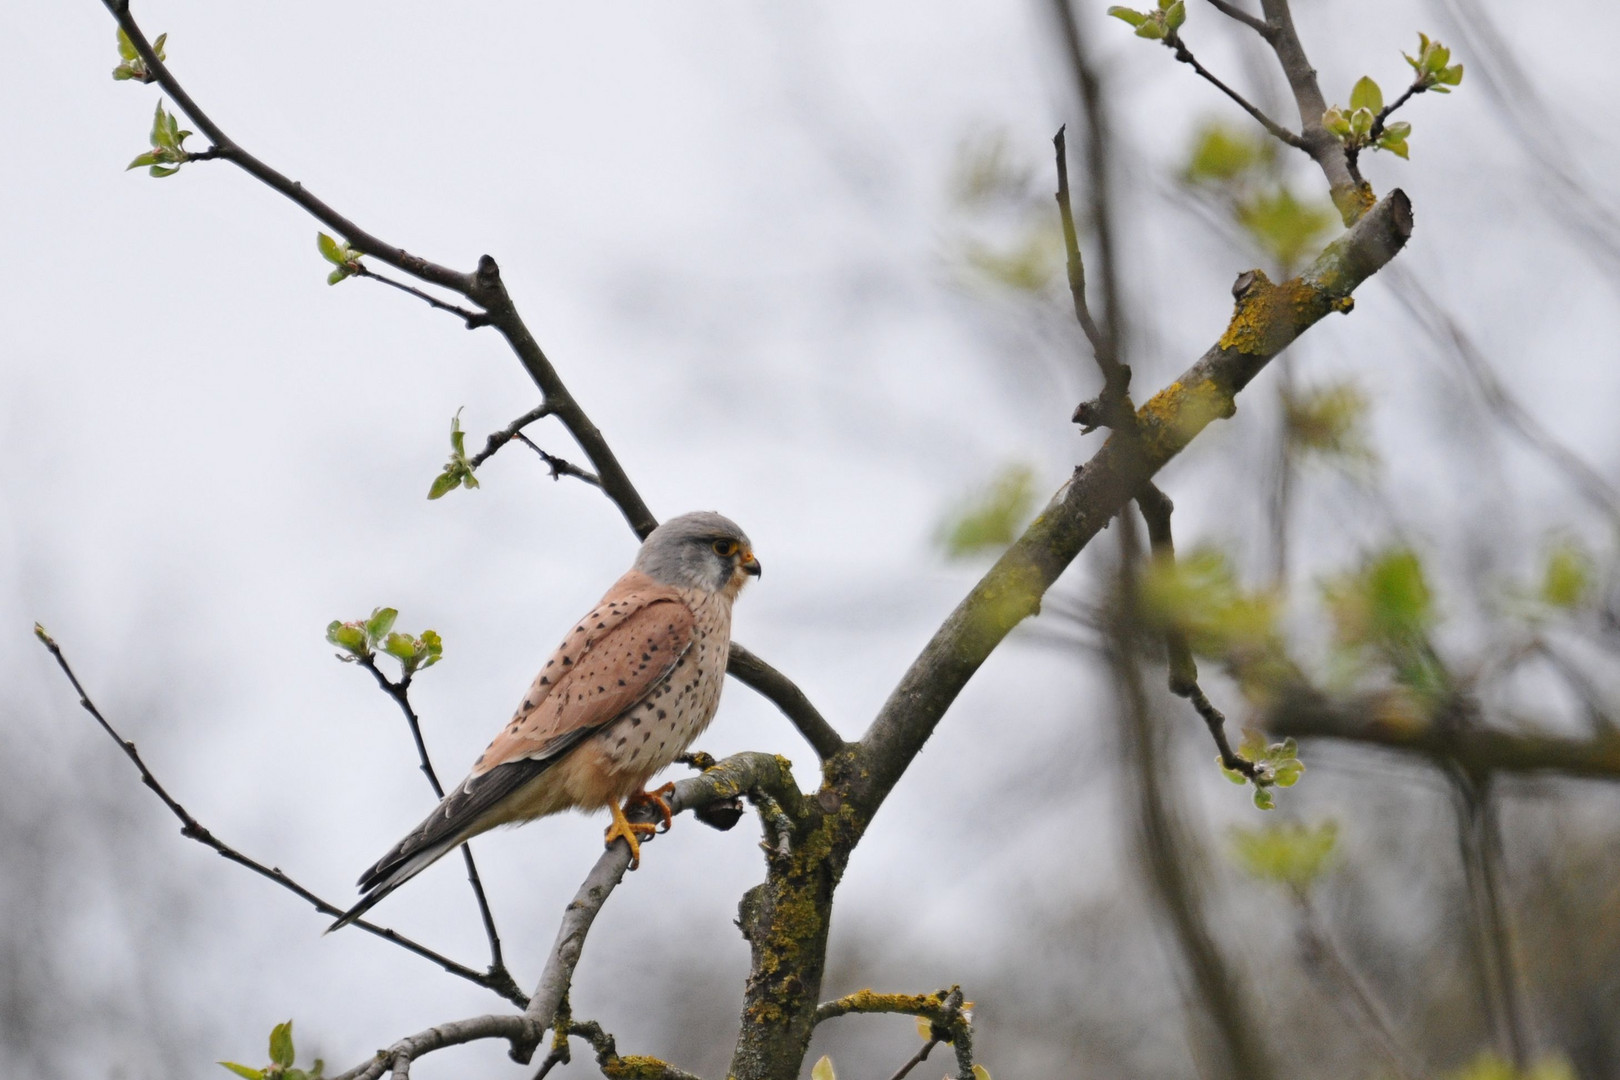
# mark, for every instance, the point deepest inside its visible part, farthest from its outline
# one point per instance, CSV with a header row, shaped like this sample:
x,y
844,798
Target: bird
x,y
628,690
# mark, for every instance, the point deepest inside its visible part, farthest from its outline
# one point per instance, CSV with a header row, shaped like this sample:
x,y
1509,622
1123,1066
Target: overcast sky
x,y
730,227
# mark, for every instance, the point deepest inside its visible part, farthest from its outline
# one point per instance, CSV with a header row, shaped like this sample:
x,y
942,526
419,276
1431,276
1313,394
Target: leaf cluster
x,y
363,638
1277,765
168,152
130,64
1384,611
1155,24
340,255
992,518
281,1060
458,472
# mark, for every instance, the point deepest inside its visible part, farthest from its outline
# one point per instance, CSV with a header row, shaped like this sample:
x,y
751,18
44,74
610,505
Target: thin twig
x,y
1259,26
1112,407
1165,845
500,438
916,1059
1156,509
559,467
400,692
473,319
1176,45
192,829
1319,948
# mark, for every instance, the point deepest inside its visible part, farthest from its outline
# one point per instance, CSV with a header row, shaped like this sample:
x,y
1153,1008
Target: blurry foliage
x,y
281,1060
992,518
459,471
363,638
1222,153
1384,611
1288,853
1568,577
1283,226
823,1069
1199,596
1008,234
1490,1067
1329,421
1241,170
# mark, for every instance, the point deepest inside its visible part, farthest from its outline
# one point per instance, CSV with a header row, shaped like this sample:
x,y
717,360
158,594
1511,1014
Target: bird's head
x,y
699,551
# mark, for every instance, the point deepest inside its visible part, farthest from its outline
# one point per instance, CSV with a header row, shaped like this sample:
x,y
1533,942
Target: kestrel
x,y
623,696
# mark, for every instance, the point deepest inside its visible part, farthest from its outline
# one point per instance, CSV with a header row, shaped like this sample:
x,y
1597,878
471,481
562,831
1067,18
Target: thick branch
x,y
1381,720
1350,193
192,829
726,780
1267,318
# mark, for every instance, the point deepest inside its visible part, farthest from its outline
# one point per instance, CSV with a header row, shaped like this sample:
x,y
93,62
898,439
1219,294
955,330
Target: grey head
x,y
702,551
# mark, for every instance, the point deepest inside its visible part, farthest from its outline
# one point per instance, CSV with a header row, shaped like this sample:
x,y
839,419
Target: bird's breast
x,y
659,728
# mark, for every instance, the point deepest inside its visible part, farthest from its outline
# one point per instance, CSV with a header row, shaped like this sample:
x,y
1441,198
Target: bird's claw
x,y
655,799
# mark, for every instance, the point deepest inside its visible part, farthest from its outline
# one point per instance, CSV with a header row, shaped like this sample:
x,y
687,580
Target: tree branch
x,y
500,438
948,1016
1165,846
1174,43
1383,720
1232,11
400,692
1267,318
1352,195
755,673
192,829
473,319
559,467
484,287
547,1007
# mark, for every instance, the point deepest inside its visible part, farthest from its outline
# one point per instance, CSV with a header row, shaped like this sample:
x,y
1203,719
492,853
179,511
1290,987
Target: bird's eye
x,y
725,548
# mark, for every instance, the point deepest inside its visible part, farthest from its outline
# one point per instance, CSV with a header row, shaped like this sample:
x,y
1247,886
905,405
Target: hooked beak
x,y
750,565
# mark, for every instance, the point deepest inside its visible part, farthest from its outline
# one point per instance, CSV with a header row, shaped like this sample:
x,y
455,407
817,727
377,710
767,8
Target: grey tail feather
x,y
399,875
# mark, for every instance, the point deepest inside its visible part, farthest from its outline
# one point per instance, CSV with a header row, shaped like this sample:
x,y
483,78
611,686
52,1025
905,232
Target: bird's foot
x,y
631,832
656,799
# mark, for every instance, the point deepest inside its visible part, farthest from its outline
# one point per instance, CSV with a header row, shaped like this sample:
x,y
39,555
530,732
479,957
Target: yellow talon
x,y
655,798
627,830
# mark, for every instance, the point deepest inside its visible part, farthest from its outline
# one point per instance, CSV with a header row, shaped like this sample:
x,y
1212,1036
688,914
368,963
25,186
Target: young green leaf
x,y
981,1073
281,1044
1263,799
1175,15
1567,578
1366,95
445,482
381,621
148,158
243,1071
823,1069
328,248
161,171
126,47
1125,14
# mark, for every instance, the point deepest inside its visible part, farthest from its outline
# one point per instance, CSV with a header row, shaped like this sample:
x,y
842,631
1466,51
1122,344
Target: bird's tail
x,y
379,884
